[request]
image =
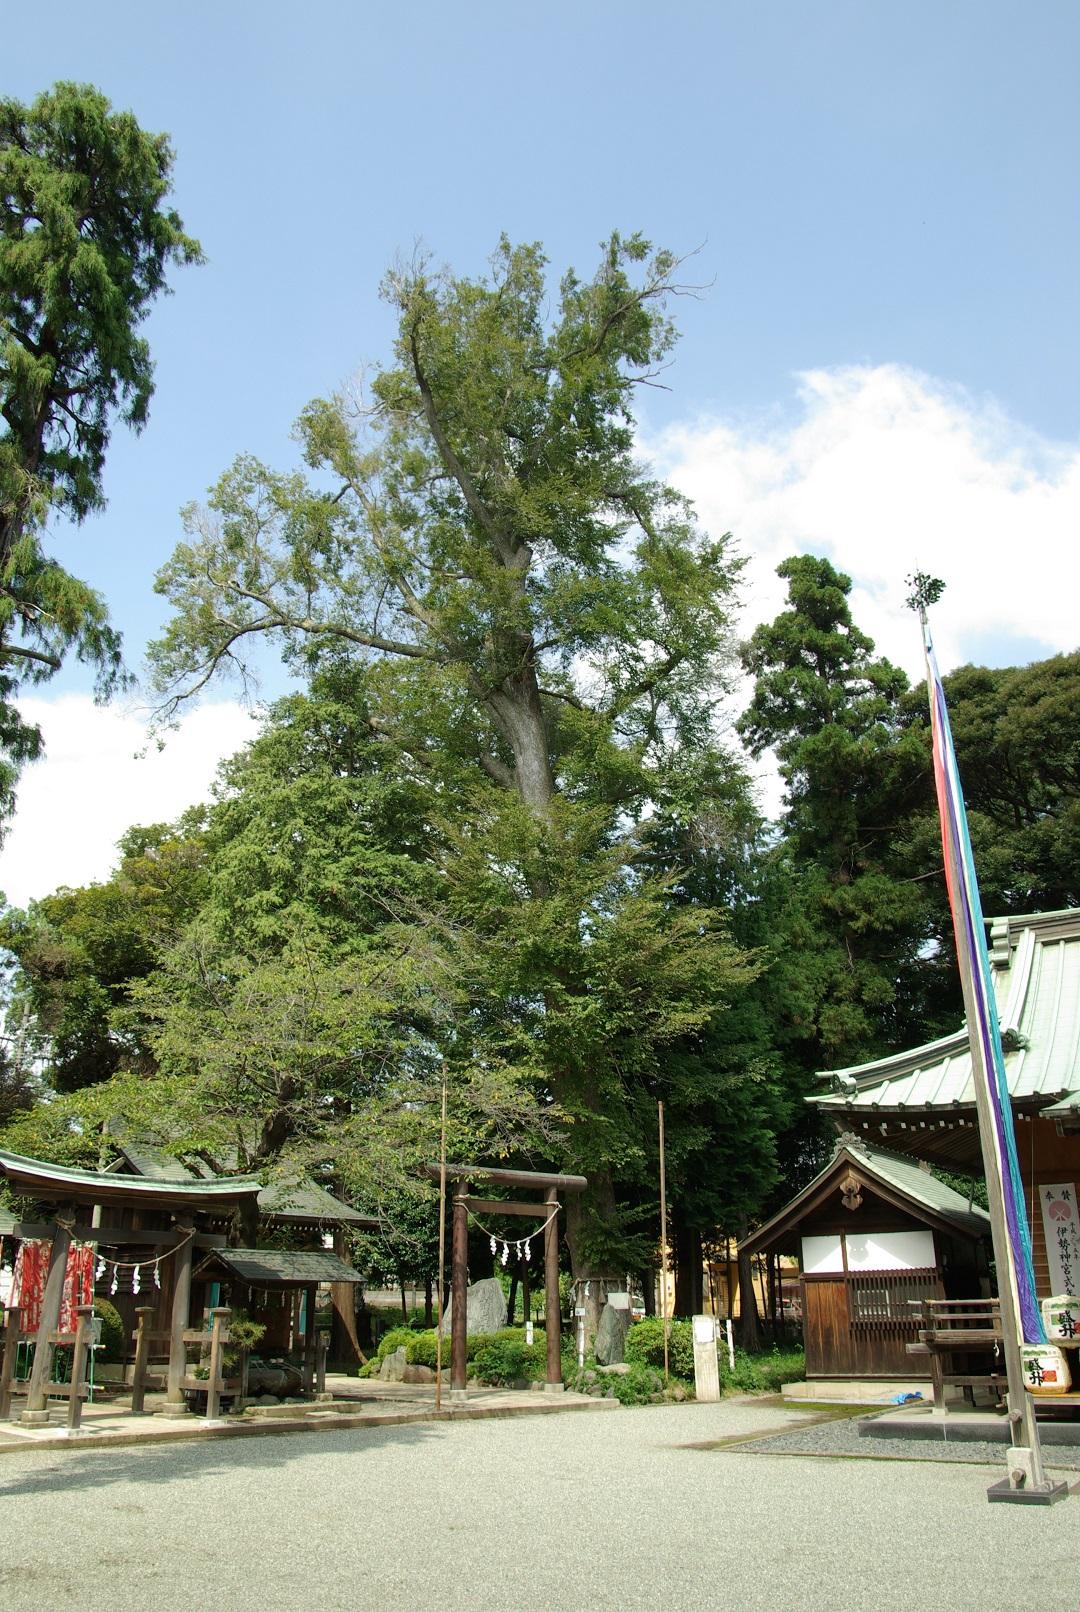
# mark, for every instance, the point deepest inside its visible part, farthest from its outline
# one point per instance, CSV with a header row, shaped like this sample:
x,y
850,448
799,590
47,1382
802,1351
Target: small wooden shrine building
x,y
152,1226
297,1212
148,1236
875,1234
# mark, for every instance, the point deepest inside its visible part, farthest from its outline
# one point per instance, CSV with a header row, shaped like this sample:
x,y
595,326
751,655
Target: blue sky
x,y
882,199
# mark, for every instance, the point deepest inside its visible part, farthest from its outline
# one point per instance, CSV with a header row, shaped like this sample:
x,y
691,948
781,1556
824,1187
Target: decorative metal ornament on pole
x,y
1027,1481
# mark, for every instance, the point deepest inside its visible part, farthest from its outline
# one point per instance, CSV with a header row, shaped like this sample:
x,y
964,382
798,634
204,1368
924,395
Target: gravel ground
x,y
562,1513
842,1438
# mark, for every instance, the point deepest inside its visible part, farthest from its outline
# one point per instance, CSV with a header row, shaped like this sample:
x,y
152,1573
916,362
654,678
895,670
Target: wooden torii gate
x,y
463,1175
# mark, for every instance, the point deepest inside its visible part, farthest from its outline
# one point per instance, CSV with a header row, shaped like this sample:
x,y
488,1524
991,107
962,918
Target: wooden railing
x,y
887,1301
961,1327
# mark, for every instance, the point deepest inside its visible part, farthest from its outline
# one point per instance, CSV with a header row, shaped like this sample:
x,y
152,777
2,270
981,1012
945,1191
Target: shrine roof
x,y
65,1183
1035,965
904,1183
304,1202
295,1203
274,1267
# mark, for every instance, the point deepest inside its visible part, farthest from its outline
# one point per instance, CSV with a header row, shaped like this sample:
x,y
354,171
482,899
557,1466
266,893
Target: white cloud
x,y
887,471
94,783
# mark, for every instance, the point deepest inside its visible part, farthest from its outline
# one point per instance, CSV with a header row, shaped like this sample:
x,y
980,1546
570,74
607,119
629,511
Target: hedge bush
x,y
764,1373
396,1338
507,1360
112,1332
645,1346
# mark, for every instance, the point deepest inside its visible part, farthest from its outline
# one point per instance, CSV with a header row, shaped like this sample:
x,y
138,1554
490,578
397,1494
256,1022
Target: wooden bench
x,y
949,1327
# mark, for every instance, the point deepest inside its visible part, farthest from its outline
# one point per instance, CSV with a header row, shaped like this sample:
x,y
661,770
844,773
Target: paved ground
x,y
354,1404
844,1437
635,1508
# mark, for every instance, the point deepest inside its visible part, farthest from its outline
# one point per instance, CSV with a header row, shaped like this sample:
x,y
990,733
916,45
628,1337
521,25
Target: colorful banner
x,y
31,1274
1018,1282
1061,1227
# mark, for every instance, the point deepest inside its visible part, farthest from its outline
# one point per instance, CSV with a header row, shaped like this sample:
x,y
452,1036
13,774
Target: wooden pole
x,y
142,1350
38,1390
442,1248
84,1320
552,1308
218,1338
459,1283
12,1339
310,1336
663,1241
175,1403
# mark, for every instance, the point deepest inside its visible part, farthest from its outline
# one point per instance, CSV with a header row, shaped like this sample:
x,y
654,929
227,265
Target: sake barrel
x,y
1045,1368
1061,1317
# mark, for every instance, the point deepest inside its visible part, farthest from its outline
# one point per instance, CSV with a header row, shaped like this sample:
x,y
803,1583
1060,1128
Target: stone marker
x,y
485,1307
611,1335
706,1365
392,1369
418,1374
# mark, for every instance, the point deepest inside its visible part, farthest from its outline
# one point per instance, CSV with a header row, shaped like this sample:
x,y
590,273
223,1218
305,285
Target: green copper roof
x,y
1035,963
273,1267
58,1182
303,1201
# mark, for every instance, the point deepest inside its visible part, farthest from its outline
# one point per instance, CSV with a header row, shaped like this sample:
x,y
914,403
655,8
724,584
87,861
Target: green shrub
x,y
762,1373
244,1333
645,1346
506,1360
421,1349
112,1332
499,1356
396,1338
639,1386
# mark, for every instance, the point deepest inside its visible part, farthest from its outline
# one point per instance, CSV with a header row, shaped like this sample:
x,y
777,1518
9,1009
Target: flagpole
x,y
1023,1428
663,1240
442,1246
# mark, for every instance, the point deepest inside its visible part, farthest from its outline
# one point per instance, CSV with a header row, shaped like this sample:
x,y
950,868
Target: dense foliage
x,y
85,243
492,843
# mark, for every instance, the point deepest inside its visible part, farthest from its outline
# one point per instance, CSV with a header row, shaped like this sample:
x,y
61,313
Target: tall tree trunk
x,y
511,1302
689,1287
597,1203
429,1307
344,1339
749,1331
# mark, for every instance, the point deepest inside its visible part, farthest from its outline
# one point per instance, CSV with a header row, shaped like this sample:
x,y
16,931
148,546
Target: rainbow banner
x,y
970,931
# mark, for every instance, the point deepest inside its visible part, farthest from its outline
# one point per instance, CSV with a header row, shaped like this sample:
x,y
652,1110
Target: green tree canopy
x,y
78,952
1017,741
545,631
854,926
85,242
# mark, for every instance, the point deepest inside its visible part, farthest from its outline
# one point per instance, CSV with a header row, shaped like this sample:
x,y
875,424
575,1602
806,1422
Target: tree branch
x,y
507,550
18,652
